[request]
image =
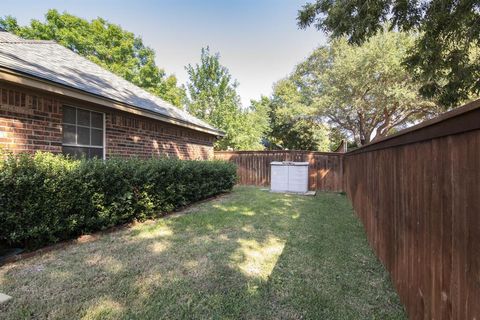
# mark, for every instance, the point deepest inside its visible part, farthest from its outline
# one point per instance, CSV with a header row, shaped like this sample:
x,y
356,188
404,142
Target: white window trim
x,y
104,116
104,136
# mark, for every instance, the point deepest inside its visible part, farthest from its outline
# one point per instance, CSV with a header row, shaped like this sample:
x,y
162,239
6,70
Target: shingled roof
x,y
50,61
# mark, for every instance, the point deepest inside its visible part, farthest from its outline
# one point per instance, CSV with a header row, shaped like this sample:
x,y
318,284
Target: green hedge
x,y
45,198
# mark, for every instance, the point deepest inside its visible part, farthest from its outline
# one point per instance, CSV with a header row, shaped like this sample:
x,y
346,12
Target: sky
x,y
258,40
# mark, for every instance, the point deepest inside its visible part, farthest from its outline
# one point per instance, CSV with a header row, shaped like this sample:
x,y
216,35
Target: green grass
x,y
250,254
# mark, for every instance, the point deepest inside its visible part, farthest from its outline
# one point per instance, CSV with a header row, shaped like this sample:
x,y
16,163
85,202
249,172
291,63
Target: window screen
x,y
82,133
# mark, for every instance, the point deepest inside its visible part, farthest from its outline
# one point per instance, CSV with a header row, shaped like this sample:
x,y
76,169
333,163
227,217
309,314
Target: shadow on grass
x,y
250,255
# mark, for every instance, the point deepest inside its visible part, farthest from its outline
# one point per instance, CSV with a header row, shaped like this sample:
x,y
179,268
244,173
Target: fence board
x,y
418,197
325,169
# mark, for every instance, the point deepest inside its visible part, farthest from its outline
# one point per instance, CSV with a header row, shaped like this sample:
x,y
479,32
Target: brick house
x,y
54,100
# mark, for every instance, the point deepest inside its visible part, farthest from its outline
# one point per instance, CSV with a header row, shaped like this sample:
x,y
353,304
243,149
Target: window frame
x,y
104,140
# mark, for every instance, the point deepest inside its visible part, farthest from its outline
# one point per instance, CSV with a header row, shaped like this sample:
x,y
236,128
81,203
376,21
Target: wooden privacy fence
x,y
325,169
418,196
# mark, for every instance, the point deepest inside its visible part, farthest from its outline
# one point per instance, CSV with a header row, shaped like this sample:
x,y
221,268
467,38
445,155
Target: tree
x,y
446,55
365,91
212,96
106,44
294,124
256,124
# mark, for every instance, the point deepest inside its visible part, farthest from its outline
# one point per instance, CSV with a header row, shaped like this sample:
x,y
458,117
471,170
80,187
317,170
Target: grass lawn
x,y
250,254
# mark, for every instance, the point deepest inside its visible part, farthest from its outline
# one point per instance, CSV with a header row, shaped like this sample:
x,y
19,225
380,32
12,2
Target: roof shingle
x,y
50,61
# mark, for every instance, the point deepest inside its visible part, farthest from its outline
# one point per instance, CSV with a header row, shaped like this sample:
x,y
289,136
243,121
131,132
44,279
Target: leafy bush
x,y
45,198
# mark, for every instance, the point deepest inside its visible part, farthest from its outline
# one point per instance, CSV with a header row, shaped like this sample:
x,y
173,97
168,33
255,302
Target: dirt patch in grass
x,y
250,255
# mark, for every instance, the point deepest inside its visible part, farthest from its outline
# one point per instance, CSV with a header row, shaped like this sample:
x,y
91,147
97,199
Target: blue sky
x,y
258,40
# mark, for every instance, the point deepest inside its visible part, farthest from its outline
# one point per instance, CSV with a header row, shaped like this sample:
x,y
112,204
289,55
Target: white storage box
x,y
289,177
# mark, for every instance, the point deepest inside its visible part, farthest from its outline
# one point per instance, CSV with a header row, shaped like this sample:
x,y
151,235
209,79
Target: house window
x,y
83,133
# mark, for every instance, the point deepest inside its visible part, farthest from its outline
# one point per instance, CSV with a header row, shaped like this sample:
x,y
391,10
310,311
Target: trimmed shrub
x,y
46,198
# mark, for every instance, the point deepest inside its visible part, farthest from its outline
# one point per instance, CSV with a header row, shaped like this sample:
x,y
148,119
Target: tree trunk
x,y
361,133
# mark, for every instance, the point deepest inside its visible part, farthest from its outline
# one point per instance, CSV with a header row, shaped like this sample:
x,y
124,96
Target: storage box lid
x,y
288,163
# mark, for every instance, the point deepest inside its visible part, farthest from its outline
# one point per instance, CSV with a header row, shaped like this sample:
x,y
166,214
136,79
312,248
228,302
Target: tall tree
x,y
446,55
212,96
255,124
294,122
106,44
365,90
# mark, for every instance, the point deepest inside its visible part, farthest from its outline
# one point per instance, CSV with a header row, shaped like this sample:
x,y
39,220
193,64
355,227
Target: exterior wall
x,y
130,135
31,120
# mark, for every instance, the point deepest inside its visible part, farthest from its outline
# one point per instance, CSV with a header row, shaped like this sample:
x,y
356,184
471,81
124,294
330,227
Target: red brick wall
x,y
29,122
129,135
32,120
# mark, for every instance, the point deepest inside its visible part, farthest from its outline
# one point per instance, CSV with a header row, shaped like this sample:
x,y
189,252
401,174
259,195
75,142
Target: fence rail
x,y
418,196
325,169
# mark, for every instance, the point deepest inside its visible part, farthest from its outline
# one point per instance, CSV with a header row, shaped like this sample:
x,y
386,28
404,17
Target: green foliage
x,y
213,97
294,123
46,198
212,91
445,55
253,125
365,91
106,44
